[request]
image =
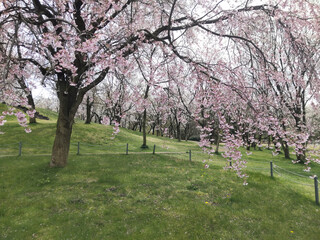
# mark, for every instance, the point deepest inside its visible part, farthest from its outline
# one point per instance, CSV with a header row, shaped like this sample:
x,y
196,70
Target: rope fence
x,y
81,148
17,149
277,169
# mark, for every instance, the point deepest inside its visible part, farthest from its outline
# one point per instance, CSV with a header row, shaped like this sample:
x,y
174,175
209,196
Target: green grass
x,y
145,196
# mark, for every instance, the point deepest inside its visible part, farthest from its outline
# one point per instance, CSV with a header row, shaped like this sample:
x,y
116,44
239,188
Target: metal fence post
x,y
20,149
316,190
190,155
127,149
271,169
154,149
78,151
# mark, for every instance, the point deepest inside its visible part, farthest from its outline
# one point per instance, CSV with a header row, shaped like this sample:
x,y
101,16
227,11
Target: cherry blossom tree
x,y
272,68
77,44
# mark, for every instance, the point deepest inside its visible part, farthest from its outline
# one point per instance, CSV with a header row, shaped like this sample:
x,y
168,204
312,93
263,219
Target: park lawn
x,y
146,196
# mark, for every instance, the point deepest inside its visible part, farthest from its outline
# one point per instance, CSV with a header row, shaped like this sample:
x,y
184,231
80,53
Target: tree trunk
x,y
158,126
153,129
301,125
69,101
269,141
260,138
144,120
247,141
179,132
60,150
186,134
31,103
29,97
285,149
88,108
254,145
301,157
217,143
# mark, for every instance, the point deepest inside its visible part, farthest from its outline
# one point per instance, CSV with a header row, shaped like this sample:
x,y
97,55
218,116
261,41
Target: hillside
x,y
105,194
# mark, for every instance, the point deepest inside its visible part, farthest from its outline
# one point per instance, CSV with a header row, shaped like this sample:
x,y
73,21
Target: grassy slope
x,y
145,196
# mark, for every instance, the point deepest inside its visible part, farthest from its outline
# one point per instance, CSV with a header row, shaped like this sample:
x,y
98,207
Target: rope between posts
x,y
40,147
249,168
7,150
276,166
304,184
90,145
252,160
27,145
98,145
9,144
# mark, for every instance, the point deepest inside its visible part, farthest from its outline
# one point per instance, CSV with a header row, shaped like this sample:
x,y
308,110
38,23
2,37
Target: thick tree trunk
x,y
301,125
286,152
32,120
60,150
69,102
285,149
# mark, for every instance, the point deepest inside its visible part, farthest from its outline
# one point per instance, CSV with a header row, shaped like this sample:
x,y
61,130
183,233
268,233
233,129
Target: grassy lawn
x,y
145,196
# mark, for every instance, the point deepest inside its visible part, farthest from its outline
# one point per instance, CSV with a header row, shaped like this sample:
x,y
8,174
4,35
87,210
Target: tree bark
x,y
269,141
69,101
217,143
301,157
60,149
153,128
186,132
140,126
284,145
179,131
32,120
285,148
29,97
144,131
144,121
88,110
260,138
